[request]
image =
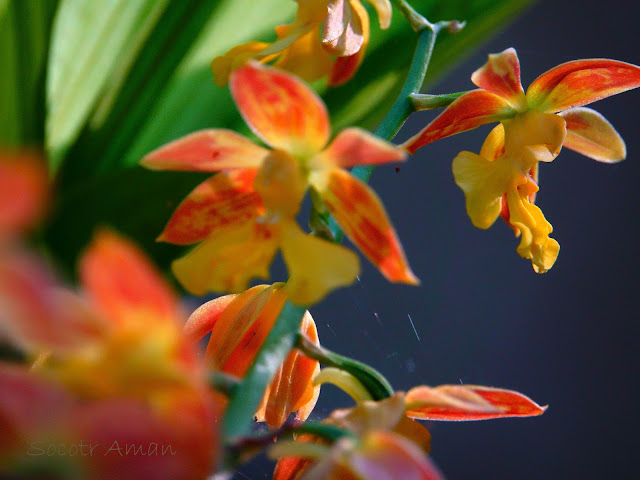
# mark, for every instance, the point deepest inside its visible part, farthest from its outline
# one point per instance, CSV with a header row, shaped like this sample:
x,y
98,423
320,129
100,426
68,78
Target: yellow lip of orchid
x,y
327,37
246,212
534,127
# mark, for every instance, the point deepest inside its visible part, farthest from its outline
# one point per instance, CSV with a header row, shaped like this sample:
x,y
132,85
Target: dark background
x,y
567,338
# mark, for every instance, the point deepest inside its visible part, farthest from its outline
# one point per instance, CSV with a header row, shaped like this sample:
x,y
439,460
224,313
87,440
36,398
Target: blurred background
x,y
568,338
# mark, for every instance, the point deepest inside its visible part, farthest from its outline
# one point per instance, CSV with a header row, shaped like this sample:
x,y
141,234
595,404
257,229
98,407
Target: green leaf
x,y
24,38
160,88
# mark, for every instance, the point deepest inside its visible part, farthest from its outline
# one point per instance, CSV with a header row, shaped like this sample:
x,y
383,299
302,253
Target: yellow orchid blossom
x,y
327,37
502,180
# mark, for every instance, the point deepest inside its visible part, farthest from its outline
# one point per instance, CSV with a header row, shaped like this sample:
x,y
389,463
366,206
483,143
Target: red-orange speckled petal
x,y
280,109
468,402
501,75
361,215
354,146
471,110
206,151
224,200
580,82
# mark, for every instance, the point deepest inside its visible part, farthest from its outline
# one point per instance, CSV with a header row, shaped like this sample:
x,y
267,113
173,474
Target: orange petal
x,y
342,28
345,67
203,319
354,146
315,266
385,455
121,280
590,134
580,82
501,75
361,215
226,199
290,468
280,109
297,58
23,191
227,260
206,151
468,402
471,110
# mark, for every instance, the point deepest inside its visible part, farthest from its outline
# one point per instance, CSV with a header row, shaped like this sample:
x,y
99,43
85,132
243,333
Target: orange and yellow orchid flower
x,y
300,48
246,212
503,179
385,445
239,324
115,354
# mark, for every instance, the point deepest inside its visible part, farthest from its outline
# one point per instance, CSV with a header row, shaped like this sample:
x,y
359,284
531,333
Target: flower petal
x,y
383,9
384,455
468,402
345,67
203,319
590,134
226,199
206,151
580,82
359,212
280,109
23,191
342,29
483,183
471,110
354,146
296,58
315,266
501,75
120,280
228,259
223,65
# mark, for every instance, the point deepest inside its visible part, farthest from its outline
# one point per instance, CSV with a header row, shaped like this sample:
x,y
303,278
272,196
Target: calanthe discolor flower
x,y
327,37
535,125
239,324
246,212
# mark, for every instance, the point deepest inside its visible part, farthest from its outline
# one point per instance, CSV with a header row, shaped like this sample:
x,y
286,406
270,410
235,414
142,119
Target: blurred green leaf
x,y
157,87
24,39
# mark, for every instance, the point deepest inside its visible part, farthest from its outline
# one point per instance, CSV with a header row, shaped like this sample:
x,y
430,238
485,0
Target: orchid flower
x,y
239,324
112,363
245,213
535,125
345,35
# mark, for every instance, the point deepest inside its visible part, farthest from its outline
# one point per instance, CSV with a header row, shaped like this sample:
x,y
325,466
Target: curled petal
x,y
224,200
493,146
580,82
203,319
354,146
120,280
501,75
535,128
471,110
222,66
206,151
590,134
383,9
361,215
280,109
345,67
316,266
228,259
342,30
468,402
296,58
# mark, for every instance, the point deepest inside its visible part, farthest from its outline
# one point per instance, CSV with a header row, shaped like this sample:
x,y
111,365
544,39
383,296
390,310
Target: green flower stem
x,y
403,106
421,101
223,382
375,383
